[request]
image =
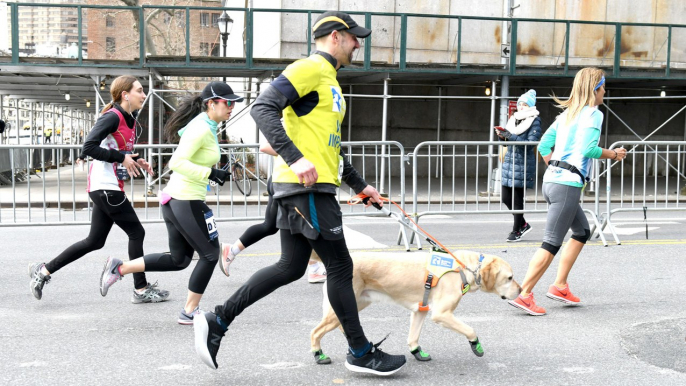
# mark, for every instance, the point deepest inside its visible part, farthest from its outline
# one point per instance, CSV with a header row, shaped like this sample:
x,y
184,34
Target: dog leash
x,y
363,198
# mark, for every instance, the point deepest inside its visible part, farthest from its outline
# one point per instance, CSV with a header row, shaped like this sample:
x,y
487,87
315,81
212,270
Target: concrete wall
x,y
432,40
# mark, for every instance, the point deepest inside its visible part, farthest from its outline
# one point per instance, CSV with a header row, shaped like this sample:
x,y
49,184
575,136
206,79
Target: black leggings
x,y
188,232
109,207
259,231
295,253
518,205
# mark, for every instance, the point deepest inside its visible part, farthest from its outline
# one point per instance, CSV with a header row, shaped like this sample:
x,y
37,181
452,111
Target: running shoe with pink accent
x,y
110,274
528,304
317,275
225,258
563,295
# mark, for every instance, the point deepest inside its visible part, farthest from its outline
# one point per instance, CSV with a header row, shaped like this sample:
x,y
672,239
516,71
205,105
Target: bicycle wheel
x,y
241,180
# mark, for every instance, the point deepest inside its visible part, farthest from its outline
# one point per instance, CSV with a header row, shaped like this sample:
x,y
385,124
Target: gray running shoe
x,y
187,319
152,294
110,274
38,280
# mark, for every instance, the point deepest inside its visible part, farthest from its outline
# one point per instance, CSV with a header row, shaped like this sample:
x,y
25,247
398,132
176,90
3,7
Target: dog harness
x,y
438,264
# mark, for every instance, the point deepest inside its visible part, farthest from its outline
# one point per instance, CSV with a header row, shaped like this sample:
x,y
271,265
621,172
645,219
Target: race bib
x,y
122,173
211,226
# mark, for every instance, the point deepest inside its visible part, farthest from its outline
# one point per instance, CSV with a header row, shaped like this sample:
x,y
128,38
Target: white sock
x,y
235,250
44,271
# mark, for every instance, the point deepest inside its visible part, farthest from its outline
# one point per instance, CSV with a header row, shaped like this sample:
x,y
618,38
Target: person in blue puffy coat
x,y
519,164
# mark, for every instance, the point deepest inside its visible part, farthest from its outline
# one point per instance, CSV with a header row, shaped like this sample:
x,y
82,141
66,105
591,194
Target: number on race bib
x,y
211,226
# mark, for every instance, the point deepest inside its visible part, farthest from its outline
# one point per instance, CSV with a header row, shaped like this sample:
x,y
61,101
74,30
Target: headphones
x,y
126,97
212,106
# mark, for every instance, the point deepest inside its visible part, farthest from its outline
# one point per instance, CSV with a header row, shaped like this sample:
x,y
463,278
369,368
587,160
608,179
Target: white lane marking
x,y
359,240
578,370
33,364
176,367
283,365
629,231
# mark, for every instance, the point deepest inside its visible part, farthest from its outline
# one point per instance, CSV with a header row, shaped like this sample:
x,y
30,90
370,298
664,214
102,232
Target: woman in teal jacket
x,y
574,135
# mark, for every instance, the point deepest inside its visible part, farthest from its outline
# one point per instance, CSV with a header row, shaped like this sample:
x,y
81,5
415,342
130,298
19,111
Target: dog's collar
x,y
476,273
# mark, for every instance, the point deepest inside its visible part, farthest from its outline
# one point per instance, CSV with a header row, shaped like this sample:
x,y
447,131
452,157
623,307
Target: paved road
x,y
630,330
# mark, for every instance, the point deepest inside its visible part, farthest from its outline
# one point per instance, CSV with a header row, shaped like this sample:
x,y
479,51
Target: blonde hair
x,y
583,93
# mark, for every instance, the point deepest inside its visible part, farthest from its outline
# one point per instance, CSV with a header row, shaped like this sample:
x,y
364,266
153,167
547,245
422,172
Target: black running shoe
x,y
526,228
375,362
208,337
514,236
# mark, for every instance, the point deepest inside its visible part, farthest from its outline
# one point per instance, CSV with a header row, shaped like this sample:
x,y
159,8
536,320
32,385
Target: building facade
x,y
113,33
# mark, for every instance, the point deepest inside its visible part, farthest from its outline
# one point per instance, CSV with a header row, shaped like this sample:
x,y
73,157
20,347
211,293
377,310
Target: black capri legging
x,y
257,232
188,225
109,207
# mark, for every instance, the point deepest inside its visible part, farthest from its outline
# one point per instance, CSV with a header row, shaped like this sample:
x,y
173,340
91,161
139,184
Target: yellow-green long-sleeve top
x,y
192,161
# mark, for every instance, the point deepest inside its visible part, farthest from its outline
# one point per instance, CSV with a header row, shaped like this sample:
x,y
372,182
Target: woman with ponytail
x,y
190,222
110,144
574,135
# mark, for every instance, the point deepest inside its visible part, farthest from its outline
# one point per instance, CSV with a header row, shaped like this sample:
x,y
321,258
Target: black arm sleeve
x,y
266,112
106,125
351,177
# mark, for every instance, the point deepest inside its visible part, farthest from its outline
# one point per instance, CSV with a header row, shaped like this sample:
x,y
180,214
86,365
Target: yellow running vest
x,y
313,122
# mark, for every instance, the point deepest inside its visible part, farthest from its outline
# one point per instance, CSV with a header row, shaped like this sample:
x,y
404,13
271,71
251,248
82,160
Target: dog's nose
x,y
503,297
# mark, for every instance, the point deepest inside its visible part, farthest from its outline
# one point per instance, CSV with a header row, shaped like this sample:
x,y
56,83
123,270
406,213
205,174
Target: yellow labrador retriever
x,y
400,277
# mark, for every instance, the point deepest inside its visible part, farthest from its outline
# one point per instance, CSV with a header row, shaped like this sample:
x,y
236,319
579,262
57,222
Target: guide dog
x,y
401,277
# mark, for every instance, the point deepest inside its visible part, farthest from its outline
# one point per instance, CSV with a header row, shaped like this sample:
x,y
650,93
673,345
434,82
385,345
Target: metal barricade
x,y
651,168
458,181
26,202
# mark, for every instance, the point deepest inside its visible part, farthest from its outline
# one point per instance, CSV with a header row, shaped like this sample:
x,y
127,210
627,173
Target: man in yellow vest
x,y
309,169
48,134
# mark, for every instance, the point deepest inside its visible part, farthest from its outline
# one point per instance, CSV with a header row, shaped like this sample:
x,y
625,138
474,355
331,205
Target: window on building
x,y
166,18
110,45
215,50
204,49
215,20
204,19
109,21
180,17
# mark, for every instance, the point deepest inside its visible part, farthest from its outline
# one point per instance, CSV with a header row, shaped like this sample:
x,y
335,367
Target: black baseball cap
x,y
337,21
219,90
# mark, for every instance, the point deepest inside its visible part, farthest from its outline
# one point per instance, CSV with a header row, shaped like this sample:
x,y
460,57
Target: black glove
x,y
220,176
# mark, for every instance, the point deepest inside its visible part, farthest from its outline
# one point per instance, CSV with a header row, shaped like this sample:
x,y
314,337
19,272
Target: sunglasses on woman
x,y
228,103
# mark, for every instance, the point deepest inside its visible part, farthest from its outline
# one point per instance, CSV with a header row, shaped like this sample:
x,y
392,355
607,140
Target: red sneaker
x,y
563,295
528,304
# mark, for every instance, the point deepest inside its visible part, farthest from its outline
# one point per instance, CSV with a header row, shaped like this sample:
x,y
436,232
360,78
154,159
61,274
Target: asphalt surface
x,y
631,328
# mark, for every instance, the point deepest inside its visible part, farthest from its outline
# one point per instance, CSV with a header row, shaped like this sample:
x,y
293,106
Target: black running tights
x,y
257,232
187,225
295,253
109,207
506,194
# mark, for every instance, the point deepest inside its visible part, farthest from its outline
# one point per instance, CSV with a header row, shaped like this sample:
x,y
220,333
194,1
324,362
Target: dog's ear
x,y
489,273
